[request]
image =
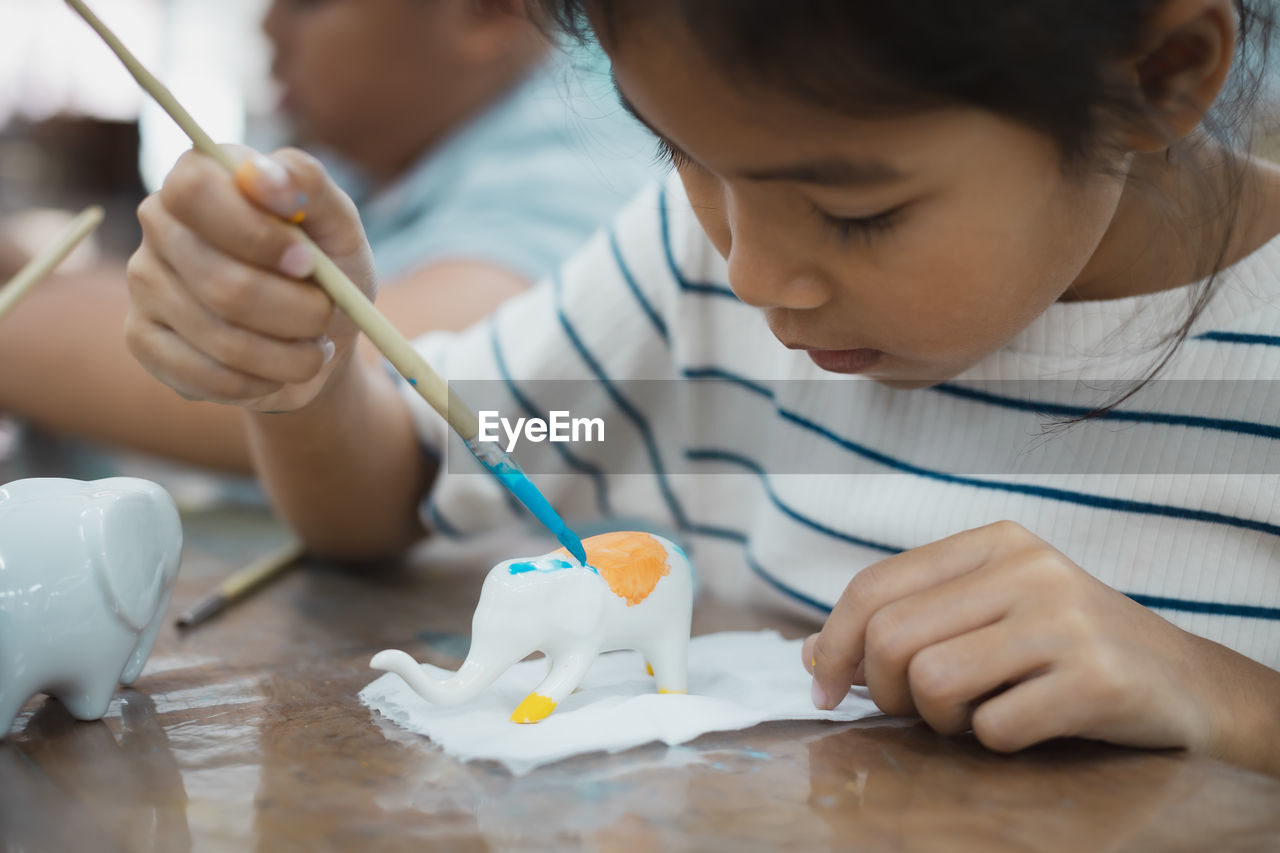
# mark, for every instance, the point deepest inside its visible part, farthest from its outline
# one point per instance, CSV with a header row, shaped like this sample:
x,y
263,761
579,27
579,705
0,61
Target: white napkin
x,y
736,680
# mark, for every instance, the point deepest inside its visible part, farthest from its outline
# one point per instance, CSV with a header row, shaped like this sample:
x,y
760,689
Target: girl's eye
x,y
865,227
668,155
846,228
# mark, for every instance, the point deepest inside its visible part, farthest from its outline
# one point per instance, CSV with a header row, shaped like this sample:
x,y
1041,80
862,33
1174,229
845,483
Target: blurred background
x,y
75,128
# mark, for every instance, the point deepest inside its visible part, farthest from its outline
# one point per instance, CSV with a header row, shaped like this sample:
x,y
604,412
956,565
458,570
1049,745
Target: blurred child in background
x,y
477,155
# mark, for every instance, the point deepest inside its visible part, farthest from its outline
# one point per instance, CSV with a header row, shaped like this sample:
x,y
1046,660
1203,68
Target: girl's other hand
x,y
220,306
993,630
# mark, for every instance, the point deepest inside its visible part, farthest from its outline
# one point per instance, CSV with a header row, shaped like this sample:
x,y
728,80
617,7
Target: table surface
x,y
246,733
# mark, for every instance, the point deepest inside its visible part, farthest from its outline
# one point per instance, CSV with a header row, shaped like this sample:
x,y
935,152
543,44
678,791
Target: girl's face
x,y
905,249
359,75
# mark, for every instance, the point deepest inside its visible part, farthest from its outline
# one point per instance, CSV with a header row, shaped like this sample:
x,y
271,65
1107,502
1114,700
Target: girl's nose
x,y
766,269
762,276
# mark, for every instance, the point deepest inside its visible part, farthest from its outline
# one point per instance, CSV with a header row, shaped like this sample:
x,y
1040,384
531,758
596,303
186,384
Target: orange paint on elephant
x,y
631,563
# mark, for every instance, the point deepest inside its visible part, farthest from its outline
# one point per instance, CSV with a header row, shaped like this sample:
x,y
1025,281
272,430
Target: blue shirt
x,y
521,185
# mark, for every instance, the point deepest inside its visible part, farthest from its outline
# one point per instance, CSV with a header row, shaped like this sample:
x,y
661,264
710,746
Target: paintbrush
x,y
47,261
240,584
393,345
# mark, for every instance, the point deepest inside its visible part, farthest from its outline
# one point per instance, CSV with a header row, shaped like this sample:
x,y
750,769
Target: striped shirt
x,y
785,481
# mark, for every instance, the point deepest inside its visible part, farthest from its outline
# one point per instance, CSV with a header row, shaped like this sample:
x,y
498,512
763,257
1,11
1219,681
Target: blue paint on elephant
x,y
540,566
555,565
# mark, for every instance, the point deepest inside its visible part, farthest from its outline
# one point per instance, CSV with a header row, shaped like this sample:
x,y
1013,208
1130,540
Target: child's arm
x,y
88,310
221,310
346,471
993,629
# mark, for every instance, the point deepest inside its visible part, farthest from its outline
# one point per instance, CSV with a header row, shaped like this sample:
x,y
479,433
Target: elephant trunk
x,y
469,680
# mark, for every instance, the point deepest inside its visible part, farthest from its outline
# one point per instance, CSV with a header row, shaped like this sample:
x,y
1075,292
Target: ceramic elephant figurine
x,y
86,571
636,592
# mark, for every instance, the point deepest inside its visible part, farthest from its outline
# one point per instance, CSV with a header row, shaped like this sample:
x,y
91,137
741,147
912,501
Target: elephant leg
x,y
567,672
669,663
90,701
142,649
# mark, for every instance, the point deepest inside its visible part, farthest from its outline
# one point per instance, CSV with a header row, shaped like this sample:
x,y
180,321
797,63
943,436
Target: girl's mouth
x,y
845,360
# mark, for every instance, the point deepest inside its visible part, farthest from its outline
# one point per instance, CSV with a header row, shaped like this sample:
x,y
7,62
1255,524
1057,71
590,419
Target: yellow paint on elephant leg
x,y
673,692
534,708
648,667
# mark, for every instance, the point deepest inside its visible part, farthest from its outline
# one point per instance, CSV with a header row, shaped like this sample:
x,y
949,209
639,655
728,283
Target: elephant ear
x,y
128,553
579,602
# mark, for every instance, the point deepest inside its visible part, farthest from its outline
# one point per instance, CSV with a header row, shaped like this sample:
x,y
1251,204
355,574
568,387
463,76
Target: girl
x,y
880,207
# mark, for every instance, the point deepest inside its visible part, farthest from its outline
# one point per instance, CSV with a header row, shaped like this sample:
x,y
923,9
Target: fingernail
x,y
298,261
270,182
328,348
818,695
271,175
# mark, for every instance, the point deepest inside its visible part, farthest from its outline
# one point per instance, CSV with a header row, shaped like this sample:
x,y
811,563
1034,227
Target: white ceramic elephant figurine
x,y
86,571
636,592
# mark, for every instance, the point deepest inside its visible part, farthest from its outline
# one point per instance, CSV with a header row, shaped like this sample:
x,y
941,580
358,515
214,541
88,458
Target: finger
x,y
806,653
245,351
161,300
195,376
243,295
1037,709
1095,696
841,644
949,679
294,186
264,180
199,194
901,630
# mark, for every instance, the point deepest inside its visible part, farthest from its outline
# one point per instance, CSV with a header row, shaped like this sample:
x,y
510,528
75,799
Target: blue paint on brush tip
x,y
413,382
510,475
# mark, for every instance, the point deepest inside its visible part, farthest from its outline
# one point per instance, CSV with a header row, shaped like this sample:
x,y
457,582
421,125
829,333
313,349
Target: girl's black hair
x,y
1045,63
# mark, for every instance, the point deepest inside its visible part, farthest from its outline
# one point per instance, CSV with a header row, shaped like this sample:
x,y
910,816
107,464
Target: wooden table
x,y
247,734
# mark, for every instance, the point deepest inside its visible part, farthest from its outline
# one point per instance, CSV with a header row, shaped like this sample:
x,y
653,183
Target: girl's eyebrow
x,y
834,172
830,171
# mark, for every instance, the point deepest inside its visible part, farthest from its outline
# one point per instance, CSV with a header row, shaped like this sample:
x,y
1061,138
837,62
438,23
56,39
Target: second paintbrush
x,y
240,584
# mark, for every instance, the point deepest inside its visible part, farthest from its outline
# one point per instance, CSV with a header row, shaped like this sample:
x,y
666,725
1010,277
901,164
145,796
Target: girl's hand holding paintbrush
x,y
222,311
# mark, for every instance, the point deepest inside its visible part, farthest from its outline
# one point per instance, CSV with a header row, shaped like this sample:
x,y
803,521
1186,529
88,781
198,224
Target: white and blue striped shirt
x,y
785,480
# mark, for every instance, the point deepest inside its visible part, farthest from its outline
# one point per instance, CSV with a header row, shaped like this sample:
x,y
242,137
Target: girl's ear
x,y
1182,61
